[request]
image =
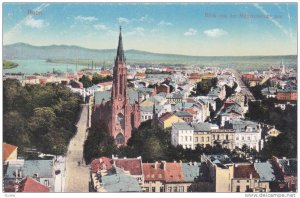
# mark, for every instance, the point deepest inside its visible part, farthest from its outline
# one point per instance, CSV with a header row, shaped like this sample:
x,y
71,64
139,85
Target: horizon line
x,y
163,53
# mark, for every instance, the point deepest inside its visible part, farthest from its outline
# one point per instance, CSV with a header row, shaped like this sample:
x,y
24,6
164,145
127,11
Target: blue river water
x,y
41,66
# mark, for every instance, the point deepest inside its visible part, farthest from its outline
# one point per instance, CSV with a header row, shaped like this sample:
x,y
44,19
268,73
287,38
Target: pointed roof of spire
x,y
120,51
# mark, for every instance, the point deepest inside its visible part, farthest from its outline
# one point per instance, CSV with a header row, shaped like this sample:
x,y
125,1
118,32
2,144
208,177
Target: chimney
x,y
164,164
17,173
180,161
155,165
100,160
250,175
288,162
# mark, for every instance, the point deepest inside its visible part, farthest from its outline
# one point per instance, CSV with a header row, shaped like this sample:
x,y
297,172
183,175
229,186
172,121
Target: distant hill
x,y
62,52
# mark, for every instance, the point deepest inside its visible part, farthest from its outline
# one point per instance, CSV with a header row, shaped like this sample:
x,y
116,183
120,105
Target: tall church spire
x,y
120,52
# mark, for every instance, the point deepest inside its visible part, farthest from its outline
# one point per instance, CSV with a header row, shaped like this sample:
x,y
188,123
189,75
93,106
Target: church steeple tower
x,y
120,51
120,73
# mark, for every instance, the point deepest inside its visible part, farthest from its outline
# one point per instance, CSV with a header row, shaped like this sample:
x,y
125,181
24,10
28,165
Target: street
x,y
244,90
77,174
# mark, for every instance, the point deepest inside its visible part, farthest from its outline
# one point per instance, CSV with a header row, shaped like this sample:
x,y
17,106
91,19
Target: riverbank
x,y
9,64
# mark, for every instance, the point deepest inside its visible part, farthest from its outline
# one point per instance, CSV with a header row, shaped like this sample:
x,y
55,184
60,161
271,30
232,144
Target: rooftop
x,y
182,126
245,172
265,171
8,149
30,185
133,165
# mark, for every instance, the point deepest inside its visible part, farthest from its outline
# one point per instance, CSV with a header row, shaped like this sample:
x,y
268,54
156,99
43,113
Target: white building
x,y
182,134
248,133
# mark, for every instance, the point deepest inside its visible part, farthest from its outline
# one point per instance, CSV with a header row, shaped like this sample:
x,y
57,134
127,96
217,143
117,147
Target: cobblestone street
x,y
77,175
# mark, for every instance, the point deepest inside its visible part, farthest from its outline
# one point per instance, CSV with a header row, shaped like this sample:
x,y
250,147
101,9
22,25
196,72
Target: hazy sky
x,y
202,29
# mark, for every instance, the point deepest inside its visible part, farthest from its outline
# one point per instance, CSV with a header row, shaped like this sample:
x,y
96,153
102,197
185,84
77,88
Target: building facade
x,y
120,113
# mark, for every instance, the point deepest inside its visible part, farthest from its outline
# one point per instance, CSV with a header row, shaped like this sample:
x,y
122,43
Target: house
x,y
131,165
185,115
269,92
224,137
40,170
176,97
220,171
217,92
285,171
202,134
107,177
163,88
182,134
245,179
231,111
165,177
167,119
286,95
10,152
246,133
266,175
105,86
31,185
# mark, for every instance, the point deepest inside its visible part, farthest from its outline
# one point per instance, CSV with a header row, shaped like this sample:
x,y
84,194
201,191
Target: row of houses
x,y
235,134
214,173
39,175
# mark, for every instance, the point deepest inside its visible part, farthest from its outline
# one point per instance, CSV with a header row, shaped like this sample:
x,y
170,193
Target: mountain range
x,y
63,52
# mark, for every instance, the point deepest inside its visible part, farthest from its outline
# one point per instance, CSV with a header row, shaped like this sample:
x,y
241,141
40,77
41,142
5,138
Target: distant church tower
x,y
124,116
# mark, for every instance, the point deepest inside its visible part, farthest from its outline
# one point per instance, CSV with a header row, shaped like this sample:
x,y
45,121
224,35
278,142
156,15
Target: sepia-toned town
x,y
157,97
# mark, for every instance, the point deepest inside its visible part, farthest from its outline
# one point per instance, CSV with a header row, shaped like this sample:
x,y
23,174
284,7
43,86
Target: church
x,y
118,108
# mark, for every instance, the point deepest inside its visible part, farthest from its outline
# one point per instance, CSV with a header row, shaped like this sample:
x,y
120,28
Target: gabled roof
x,y
244,172
103,163
202,126
183,126
183,114
133,165
30,185
164,171
191,171
265,171
165,116
8,149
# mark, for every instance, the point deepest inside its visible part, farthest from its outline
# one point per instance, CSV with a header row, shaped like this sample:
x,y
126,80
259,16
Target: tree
x,y
86,81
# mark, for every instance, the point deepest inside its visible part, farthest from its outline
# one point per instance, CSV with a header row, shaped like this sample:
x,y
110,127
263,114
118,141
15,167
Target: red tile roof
x,y
105,72
153,174
171,173
190,110
134,166
244,171
30,185
8,149
105,83
103,163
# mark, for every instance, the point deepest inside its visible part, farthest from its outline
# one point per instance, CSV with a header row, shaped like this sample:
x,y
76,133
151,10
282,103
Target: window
x,y
186,138
153,189
146,182
247,181
247,188
248,138
237,138
226,137
146,189
46,182
181,189
161,189
207,139
243,138
190,138
196,139
238,181
175,189
202,139
218,137
169,189
237,188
